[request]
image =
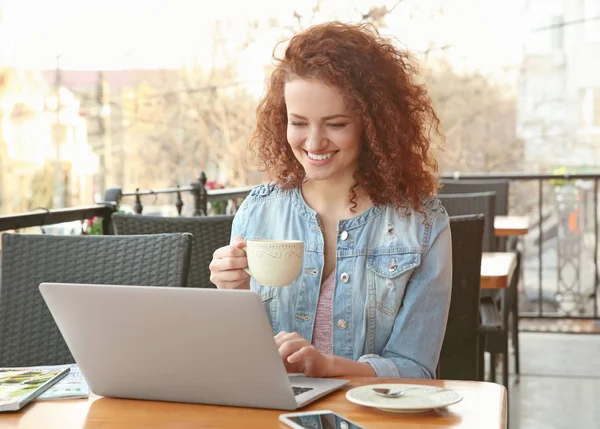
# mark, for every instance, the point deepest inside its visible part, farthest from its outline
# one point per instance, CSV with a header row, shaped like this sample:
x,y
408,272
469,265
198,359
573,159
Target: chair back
x,y
210,233
476,203
459,355
499,187
28,334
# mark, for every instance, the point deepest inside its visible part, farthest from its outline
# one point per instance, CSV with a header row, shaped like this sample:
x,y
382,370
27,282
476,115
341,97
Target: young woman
x,y
344,130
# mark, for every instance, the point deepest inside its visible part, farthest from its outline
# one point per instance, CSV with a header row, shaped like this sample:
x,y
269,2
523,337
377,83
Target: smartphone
x,y
323,419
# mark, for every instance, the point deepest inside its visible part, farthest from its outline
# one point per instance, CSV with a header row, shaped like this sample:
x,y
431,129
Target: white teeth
x,y
320,157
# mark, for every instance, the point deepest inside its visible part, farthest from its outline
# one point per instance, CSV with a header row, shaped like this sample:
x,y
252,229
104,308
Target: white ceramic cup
x,y
274,262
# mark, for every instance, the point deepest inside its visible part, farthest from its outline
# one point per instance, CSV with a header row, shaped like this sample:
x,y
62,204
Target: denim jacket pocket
x,y
390,274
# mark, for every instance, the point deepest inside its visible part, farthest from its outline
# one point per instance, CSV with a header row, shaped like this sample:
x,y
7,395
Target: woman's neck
x,y
333,199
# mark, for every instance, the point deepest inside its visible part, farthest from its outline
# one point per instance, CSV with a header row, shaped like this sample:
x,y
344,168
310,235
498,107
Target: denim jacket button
x,y
344,235
344,277
342,324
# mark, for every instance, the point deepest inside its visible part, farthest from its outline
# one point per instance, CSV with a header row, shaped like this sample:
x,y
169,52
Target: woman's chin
x,y
317,176
334,177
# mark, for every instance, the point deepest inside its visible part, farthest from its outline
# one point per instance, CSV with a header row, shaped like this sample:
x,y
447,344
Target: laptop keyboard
x,y
298,390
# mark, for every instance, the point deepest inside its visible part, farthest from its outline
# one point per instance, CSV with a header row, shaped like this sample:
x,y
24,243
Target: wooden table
x,y
508,226
483,406
497,269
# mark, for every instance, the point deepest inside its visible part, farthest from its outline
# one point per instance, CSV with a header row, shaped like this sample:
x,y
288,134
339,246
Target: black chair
x,y
210,233
468,318
502,244
483,203
499,187
28,334
465,204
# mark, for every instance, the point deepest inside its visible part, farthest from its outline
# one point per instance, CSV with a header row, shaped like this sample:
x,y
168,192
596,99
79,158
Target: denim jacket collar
x,y
347,224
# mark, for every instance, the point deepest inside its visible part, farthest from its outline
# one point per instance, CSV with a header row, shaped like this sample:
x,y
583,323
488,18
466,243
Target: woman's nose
x,y
315,141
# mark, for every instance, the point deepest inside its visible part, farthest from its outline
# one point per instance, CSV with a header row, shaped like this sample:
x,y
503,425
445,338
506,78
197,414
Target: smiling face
x,y
323,131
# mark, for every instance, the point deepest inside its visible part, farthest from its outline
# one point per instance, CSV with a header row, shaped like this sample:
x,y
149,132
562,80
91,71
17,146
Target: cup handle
x,y
246,269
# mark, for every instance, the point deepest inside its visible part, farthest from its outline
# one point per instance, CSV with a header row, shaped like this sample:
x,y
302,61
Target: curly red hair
x,y
396,167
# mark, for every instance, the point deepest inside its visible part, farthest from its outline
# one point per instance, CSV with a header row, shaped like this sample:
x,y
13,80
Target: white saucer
x,y
417,398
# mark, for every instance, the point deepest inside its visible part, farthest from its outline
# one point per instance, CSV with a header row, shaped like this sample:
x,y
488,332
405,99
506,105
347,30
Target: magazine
x,y
18,386
71,387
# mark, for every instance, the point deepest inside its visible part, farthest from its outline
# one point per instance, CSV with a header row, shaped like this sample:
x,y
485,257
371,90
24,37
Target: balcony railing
x,y
560,277
44,217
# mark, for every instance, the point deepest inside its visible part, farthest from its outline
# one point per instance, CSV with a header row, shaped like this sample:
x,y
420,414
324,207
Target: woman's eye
x,y
338,125
297,124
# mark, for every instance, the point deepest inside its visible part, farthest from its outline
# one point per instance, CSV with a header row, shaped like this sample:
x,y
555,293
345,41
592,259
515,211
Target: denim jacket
x,y
393,279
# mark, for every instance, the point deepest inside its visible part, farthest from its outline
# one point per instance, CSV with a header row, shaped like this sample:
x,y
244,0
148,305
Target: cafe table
x,y
497,269
510,226
483,406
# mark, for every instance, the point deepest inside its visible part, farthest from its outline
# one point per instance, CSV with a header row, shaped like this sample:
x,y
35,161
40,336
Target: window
x,y
544,17
557,32
591,107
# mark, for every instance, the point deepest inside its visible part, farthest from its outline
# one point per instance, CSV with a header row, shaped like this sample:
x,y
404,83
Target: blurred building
x,y
559,94
108,103
39,147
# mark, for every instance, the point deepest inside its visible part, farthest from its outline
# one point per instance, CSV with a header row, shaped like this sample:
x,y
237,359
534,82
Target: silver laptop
x,y
202,346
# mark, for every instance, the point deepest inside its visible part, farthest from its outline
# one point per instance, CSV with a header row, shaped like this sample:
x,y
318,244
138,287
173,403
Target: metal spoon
x,y
388,393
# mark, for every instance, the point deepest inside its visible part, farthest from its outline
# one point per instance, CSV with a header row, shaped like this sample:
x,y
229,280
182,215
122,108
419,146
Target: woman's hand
x,y
226,268
300,356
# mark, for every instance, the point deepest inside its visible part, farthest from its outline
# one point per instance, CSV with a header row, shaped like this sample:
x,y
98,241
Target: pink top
x,y
323,329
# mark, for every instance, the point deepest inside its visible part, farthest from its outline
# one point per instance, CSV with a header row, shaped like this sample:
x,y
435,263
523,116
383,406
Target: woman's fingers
x,y
226,267
229,263
284,336
231,251
304,353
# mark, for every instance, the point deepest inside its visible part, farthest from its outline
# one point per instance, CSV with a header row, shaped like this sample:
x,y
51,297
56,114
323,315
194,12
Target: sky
x,y
122,34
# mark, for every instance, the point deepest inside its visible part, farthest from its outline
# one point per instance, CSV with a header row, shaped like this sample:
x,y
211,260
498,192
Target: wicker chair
x,y
468,319
498,187
503,244
465,204
507,299
210,233
29,336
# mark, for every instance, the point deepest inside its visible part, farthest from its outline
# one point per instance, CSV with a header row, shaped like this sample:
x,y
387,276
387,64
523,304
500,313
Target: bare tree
x,y
478,118
198,119
377,14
